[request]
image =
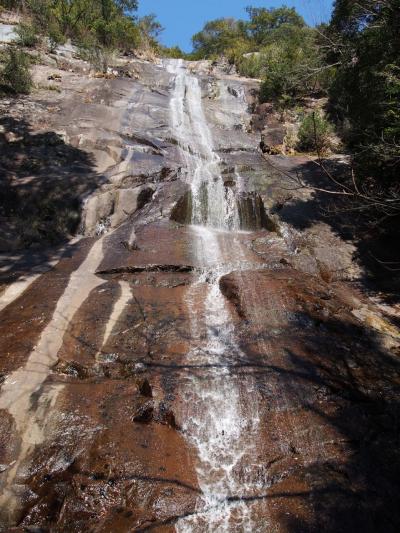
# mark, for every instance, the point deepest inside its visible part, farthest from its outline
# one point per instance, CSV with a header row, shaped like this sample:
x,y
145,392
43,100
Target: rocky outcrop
x,y
7,33
252,212
297,368
109,209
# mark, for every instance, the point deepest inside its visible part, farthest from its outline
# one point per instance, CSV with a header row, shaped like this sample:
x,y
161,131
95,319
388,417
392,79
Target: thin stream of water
x,y
213,205
218,424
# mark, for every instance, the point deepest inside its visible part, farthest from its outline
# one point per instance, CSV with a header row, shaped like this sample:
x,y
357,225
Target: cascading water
x,y
216,421
212,204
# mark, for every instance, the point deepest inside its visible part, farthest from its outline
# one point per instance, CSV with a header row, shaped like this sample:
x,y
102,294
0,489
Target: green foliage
x,y
27,34
274,44
233,38
150,29
251,65
365,92
264,23
314,133
96,23
100,57
218,37
118,32
150,26
10,4
290,66
15,75
55,36
173,52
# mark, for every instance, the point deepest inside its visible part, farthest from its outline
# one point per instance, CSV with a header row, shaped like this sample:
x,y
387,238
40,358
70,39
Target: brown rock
x,y
145,388
72,368
167,417
144,413
272,140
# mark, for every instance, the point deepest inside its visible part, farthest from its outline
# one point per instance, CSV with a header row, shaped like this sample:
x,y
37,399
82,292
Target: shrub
x,y
314,133
251,65
99,57
290,66
55,37
27,34
99,45
281,74
15,75
173,52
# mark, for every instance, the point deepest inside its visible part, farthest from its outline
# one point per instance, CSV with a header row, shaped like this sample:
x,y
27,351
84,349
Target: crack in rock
x,y
146,268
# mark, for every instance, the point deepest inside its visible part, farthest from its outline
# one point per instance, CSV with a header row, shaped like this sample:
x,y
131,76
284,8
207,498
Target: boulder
x,y
145,389
272,140
127,201
166,416
98,208
7,33
144,413
112,207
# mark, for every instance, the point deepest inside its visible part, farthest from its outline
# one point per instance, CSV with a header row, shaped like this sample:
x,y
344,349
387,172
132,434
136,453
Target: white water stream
x,y
217,423
213,204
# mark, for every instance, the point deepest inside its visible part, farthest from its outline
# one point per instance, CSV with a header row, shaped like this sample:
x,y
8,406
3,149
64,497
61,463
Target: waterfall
x,y
216,422
212,204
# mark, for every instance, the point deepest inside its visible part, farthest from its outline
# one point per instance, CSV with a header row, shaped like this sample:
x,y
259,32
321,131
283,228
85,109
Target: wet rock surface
x,y
114,343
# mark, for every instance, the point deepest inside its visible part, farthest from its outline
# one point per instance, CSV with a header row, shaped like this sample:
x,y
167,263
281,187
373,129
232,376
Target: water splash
x,y
220,425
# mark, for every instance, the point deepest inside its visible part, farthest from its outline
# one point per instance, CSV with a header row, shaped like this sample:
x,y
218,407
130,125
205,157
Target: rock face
x,y
109,209
172,376
7,33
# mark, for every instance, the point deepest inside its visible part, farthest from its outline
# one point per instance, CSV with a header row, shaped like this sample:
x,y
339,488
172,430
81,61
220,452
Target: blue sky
x,y
182,18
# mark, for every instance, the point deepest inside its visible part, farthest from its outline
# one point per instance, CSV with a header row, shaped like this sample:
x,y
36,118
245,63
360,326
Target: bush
x,y
15,75
173,52
251,65
56,38
314,133
108,24
99,57
27,34
291,66
280,78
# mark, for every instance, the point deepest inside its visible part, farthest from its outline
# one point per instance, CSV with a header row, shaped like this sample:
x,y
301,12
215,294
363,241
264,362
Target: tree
x,y
127,5
217,37
314,133
274,44
15,75
264,23
362,52
290,65
172,52
105,23
365,93
150,26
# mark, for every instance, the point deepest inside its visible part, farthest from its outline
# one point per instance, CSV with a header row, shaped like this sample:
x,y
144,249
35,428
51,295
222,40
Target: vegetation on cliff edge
x,y
354,61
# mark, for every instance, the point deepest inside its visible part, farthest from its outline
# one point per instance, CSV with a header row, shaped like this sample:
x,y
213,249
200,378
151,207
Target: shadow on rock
x,y
43,182
374,235
344,429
